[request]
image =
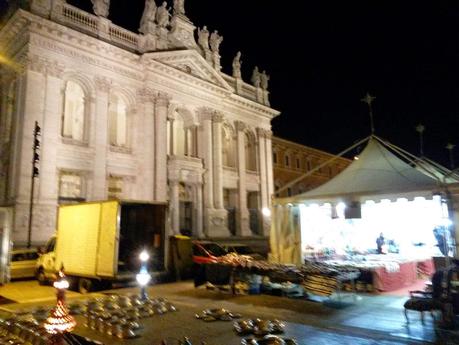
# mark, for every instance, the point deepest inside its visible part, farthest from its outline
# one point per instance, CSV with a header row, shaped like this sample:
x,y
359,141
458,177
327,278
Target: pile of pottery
x,y
17,331
217,314
258,327
269,340
119,316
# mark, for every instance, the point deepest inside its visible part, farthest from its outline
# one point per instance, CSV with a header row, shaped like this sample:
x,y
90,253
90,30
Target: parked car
x,y
22,264
243,249
206,252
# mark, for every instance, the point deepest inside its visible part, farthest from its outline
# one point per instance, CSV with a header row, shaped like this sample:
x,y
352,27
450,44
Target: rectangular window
x,y
297,163
275,158
289,191
71,187
287,161
115,187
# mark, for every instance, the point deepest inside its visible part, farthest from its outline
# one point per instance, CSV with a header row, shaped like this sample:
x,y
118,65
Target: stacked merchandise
x,y
316,278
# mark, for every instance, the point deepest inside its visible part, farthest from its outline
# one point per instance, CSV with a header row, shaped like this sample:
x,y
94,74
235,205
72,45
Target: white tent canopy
x,y
377,174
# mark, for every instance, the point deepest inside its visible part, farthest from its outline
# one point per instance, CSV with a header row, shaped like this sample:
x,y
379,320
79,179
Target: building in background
x,y
291,160
145,116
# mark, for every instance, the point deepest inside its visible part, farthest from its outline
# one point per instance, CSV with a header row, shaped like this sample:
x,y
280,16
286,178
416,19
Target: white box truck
x,y
98,243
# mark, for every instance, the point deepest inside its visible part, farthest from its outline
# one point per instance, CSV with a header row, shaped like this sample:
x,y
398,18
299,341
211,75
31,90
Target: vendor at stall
x,y
381,244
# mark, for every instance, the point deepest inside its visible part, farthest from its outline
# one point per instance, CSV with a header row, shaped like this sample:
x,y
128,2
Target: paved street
x,y
370,320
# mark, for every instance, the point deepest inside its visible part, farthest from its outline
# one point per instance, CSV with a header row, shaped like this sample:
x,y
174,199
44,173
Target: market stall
x,y
385,193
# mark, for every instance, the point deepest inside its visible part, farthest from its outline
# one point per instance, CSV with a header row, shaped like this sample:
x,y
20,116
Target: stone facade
x,y
147,117
291,160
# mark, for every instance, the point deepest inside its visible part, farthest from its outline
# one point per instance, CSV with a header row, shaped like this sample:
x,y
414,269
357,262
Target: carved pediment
x,y
190,62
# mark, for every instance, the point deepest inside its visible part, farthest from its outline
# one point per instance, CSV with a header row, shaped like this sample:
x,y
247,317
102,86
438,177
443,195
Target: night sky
x,y
323,56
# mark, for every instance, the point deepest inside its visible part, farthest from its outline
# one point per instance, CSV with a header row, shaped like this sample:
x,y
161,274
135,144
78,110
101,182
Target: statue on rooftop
x,y
162,15
264,78
256,78
215,41
203,38
100,7
148,16
237,65
179,7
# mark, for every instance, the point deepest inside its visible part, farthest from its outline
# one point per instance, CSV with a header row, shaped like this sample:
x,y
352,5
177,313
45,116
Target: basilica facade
x,y
145,116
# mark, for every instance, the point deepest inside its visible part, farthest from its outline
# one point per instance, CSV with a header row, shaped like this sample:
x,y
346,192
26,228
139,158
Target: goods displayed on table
x,y
119,316
385,272
217,314
269,340
258,327
318,278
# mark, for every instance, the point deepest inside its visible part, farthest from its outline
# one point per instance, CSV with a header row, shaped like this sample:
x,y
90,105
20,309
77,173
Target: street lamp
x,y
143,277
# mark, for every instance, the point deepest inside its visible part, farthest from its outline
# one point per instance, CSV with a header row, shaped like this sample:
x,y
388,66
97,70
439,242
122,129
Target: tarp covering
x,y
377,171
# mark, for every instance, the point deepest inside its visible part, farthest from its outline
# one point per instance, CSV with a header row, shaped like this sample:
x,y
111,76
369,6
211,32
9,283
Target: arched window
x,y
229,148
117,115
250,153
73,124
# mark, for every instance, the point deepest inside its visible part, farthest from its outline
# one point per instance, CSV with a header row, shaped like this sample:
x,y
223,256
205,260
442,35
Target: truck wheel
x,y
40,275
85,285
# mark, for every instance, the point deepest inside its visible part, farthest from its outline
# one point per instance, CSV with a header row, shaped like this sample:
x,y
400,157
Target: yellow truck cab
x,y
99,242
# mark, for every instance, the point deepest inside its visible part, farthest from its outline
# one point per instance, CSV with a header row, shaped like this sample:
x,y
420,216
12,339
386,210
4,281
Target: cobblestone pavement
x,y
368,320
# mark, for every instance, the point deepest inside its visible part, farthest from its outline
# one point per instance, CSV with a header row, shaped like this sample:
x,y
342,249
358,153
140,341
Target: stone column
x,y
263,178
199,211
101,139
174,206
208,161
146,144
217,121
269,165
242,215
161,108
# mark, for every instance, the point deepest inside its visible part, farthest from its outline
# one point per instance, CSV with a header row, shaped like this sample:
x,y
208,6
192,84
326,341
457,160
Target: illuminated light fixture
x,y
356,158
266,211
59,321
143,277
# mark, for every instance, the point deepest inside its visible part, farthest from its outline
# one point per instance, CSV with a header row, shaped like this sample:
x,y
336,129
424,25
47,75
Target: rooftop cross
x,y
368,99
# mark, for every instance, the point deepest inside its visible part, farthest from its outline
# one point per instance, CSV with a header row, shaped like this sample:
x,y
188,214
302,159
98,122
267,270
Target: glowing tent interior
x,y
386,190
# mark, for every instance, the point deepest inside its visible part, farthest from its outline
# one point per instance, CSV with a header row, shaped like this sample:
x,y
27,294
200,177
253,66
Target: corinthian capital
x,y
146,95
163,99
55,69
241,126
102,83
217,117
36,63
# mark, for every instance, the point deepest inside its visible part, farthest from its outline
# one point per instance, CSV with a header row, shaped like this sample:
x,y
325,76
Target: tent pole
x,y
410,158
298,179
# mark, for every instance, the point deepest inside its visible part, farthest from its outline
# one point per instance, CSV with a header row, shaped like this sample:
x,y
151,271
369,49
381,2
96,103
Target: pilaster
x,y
161,108
262,153
146,144
199,211
217,121
101,138
31,97
242,215
174,206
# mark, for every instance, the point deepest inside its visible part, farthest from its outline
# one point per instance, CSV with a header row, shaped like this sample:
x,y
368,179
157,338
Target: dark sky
x,y
323,56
